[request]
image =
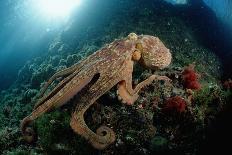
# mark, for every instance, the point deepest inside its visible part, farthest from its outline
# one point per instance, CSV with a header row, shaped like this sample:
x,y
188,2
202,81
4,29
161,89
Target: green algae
x,y
56,136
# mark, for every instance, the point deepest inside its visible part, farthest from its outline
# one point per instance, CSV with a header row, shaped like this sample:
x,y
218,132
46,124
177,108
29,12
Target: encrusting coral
x,y
112,65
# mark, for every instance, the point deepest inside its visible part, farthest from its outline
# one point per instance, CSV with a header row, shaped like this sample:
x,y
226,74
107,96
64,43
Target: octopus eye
x,y
139,46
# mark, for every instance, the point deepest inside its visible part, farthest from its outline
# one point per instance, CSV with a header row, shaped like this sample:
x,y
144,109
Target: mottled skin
x,y
109,66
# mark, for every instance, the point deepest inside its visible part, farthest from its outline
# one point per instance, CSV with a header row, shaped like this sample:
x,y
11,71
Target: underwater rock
x,y
44,72
62,62
55,60
28,95
55,46
72,59
7,138
25,73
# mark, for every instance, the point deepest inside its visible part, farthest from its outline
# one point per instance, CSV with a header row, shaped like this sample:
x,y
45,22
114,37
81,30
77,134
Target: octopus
x,y
110,66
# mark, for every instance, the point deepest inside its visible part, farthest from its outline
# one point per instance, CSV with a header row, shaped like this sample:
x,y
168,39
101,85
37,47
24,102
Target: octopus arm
x,y
130,95
104,135
60,98
64,72
70,72
54,91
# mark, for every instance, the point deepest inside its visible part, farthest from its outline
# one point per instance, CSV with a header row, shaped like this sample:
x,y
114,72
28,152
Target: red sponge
x,y
175,103
190,78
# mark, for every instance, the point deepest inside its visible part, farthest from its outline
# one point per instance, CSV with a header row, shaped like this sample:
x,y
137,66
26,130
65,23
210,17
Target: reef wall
x,y
212,20
221,8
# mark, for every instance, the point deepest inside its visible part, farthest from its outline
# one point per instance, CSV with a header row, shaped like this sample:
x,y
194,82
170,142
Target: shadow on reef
x,y
219,134
209,30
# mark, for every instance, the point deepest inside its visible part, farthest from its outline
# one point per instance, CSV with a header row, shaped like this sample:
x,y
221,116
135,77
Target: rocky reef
x,y
159,121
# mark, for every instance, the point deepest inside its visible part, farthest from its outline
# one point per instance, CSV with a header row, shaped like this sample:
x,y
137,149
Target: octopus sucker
x,y
113,65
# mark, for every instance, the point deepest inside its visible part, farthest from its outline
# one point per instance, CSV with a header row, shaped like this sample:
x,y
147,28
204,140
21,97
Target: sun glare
x,y
57,8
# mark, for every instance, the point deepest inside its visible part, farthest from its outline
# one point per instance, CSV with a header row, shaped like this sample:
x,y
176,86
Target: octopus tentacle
x,y
129,95
27,132
60,98
104,135
126,94
54,91
64,72
73,70
149,80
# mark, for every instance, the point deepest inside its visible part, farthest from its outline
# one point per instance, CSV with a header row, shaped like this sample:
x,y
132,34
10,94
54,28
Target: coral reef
x,y
142,128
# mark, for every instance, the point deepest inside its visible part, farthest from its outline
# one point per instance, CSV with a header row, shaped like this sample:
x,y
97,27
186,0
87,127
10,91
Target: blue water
x,y
24,34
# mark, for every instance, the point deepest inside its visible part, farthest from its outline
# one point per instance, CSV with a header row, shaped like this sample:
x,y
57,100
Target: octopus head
x,y
151,52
